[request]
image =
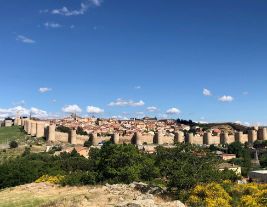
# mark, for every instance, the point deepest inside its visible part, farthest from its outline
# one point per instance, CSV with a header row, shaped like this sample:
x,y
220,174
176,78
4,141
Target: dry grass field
x,y
50,195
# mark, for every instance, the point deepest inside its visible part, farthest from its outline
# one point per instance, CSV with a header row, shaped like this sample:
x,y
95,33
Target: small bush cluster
x,y
13,144
79,178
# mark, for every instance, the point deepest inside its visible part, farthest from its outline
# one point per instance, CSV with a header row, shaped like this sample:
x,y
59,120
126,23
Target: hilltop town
x,y
236,152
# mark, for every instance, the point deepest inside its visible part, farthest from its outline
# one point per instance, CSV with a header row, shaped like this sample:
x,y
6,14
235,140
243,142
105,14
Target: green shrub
x,y
13,144
87,143
79,178
63,129
26,152
80,131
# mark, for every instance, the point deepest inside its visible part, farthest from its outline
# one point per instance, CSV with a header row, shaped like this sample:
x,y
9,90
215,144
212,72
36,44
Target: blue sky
x,y
123,56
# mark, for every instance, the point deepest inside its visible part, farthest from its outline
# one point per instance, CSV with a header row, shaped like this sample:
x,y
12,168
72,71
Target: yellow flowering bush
x,y
261,198
50,179
248,201
247,189
228,194
210,195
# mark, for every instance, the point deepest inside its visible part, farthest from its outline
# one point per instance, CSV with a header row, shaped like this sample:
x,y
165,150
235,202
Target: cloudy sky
x,y
201,60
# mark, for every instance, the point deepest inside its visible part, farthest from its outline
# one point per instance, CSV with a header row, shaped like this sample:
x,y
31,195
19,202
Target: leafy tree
x,y
118,163
263,160
235,148
149,171
88,143
80,131
63,129
187,165
260,144
213,148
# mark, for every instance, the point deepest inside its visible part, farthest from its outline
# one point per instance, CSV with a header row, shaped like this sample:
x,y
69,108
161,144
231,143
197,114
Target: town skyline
x,y
181,59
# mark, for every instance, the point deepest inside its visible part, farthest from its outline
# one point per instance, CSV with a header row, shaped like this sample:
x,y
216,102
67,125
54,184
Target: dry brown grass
x,y
49,195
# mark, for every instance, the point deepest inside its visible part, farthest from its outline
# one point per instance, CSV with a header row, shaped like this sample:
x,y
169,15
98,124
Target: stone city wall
x,y
47,130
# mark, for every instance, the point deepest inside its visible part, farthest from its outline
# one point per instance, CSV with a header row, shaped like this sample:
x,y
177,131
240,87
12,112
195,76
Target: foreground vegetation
x,y
187,172
179,169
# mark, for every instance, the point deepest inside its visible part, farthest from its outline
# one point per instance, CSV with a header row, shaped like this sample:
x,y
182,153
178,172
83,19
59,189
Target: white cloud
x,y
44,90
226,98
96,2
38,113
52,25
21,111
82,10
238,122
207,92
152,108
122,102
137,87
24,39
94,110
243,123
173,111
72,109
12,112
202,122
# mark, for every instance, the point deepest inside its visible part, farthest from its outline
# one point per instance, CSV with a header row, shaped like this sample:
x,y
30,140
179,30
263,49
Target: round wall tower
x,y
52,133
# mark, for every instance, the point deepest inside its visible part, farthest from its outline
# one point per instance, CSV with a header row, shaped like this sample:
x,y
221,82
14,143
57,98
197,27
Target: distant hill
x,y
228,126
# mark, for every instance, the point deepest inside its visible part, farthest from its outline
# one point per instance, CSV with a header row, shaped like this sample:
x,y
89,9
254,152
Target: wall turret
x,y
189,138
252,136
207,138
52,133
95,140
73,136
33,128
40,129
224,138
178,137
137,138
238,136
158,138
116,138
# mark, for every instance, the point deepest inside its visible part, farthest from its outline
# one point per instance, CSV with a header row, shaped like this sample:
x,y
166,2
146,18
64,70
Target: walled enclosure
x,y
47,130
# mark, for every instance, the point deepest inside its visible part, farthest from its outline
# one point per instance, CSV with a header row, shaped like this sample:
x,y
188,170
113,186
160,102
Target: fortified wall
x,y
44,129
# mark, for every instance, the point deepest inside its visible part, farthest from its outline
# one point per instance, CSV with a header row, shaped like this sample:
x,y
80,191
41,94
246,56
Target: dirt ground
x,y
49,195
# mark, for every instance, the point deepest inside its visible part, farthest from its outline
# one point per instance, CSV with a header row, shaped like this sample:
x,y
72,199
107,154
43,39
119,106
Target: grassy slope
x,y
15,133
11,133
